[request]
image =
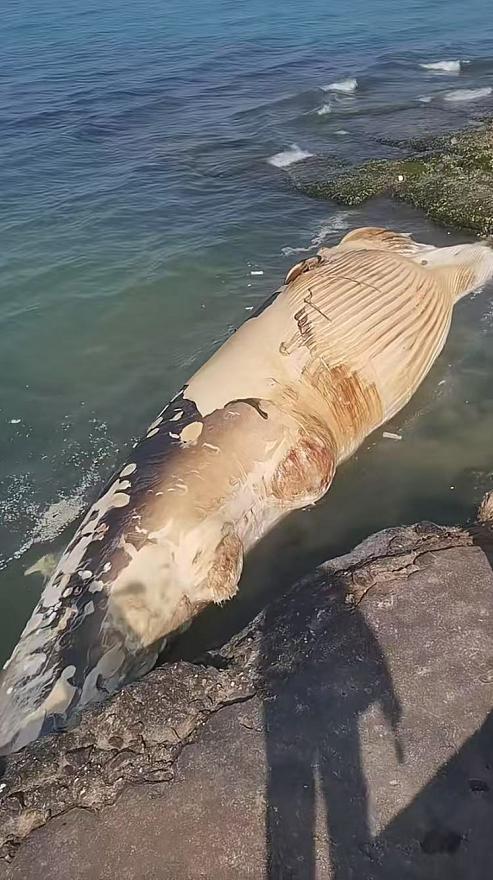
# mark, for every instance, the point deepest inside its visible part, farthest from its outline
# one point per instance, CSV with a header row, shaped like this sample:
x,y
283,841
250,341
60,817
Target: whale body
x,y
257,432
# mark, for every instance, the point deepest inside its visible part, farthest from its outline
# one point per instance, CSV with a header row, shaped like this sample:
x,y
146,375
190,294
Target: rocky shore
x,y
344,733
449,177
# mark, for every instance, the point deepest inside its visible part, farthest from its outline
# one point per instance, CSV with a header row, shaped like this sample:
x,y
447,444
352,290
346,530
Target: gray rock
x,y
344,733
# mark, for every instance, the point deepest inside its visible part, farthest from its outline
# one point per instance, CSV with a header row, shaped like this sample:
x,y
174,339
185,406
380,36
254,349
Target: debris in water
x,y
390,436
256,272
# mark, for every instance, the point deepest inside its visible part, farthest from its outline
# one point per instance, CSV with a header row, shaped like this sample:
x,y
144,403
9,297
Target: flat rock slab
x,y
345,734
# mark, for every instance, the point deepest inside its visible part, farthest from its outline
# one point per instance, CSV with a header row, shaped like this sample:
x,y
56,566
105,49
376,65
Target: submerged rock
x,y
450,178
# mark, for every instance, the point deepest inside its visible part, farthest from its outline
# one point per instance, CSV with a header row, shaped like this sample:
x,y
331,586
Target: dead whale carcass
x,y
257,432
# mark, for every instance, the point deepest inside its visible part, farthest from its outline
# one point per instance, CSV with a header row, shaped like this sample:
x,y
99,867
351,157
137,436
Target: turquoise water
x,y
136,198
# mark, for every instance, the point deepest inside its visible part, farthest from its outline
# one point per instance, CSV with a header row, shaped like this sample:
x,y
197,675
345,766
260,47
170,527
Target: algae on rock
x,y
450,178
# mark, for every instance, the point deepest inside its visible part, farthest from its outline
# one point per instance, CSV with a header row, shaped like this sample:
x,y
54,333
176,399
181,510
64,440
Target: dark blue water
x,y
136,198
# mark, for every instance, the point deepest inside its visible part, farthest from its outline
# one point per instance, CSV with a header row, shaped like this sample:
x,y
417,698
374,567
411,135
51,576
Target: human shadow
x,y
312,719
322,669
445,832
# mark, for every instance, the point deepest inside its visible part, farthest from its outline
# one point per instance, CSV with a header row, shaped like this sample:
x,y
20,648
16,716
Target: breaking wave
x,y
443,66
344,85
289,157
339,222
468,94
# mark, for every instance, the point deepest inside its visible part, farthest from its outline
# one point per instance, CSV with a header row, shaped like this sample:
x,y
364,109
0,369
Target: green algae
x,y
450,179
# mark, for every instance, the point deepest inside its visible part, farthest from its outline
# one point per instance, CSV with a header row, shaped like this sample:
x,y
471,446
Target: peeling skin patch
x,y
154,424
61,694
67,616
96,587
128,469
121,500
191,432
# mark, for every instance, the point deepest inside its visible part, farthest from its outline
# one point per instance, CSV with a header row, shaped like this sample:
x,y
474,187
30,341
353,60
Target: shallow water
x,y
136,199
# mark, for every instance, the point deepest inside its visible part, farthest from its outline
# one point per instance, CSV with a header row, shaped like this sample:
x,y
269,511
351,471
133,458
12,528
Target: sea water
x,y
150,155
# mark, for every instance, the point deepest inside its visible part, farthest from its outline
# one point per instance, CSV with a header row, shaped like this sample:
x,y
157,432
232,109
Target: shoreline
x,y
133,748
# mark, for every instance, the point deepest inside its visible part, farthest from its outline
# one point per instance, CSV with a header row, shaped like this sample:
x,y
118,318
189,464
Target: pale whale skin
x,y
257,432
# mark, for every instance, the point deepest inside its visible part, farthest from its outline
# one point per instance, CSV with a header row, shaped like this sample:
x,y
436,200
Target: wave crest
x,y
443,66
344,85
468,94
288,157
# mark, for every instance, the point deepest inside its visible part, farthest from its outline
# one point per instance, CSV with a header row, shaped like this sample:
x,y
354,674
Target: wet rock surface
x,y
449,177
345,733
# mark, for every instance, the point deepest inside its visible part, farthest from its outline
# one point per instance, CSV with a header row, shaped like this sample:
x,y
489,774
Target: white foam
x,y
57,516
290,251
40,522
443,66
341,131
425,99
345,85
339,222
324,110
468,94
289,157
48,522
